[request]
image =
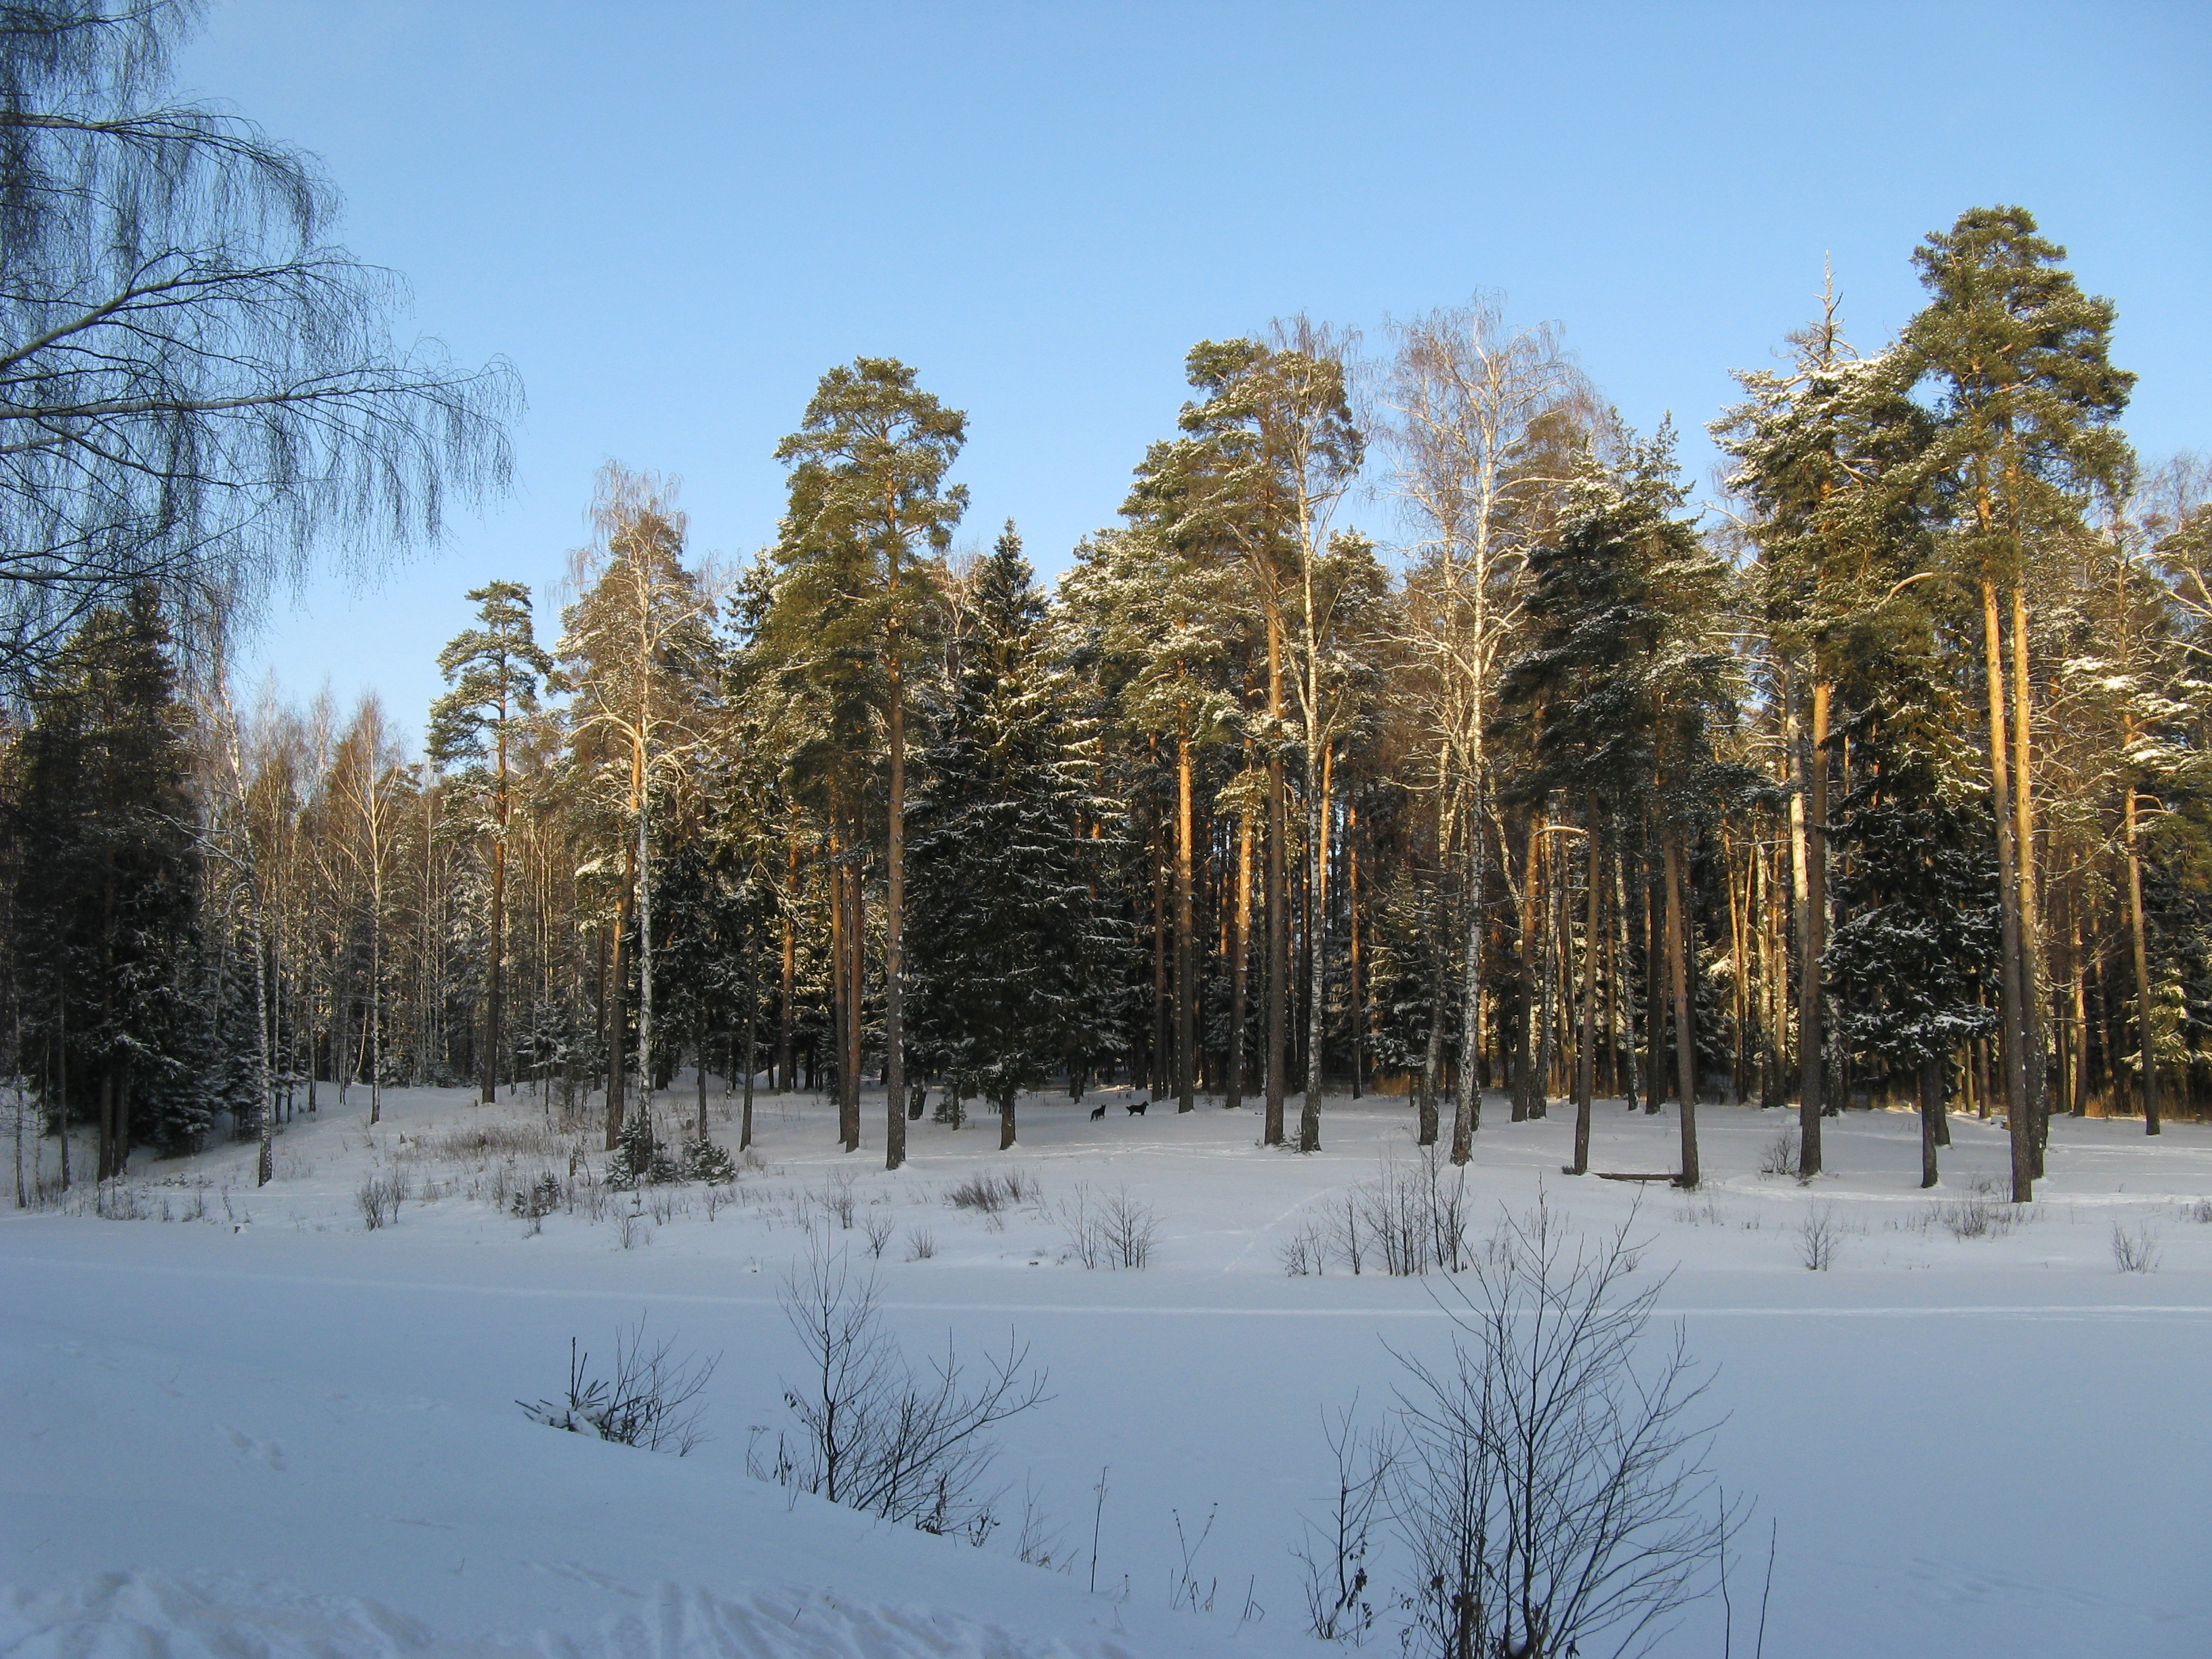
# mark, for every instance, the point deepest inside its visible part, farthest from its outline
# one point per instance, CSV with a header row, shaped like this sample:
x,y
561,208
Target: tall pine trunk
x,y
1277,992
1586,1047
1679,965
2139,945
2012,989
1318,779
895,903
1186,951
1240,960
1812,940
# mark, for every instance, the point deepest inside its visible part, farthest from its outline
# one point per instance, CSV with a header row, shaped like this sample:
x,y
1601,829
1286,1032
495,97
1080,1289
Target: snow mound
x,y
150,1616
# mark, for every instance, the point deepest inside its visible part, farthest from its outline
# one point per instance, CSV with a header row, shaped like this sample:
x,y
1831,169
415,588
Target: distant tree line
x,y
1883,784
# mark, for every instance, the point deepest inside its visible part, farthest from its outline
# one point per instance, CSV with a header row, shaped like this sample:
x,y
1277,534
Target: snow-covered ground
x,y
258,1428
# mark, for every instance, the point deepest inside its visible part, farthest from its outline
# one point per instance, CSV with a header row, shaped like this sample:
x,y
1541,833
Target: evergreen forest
x,y
1880,783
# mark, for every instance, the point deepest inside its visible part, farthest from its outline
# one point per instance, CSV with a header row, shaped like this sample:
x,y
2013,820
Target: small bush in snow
x,y
878,1225
2135,1252
1818,1238
1551,1486
990,1192
1304,1254
921,1244
652,1400
872,1433
1976,1215
1113,1230
838,1200
1780,1157
379,1199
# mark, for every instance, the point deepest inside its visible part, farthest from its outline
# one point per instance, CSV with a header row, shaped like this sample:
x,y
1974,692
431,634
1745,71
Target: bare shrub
x,y
1185,1591
2136,1252
1975,1215
1305,1252
636,1231
991,1192
2200,1211
1112,1231
1414,1215
878,1225
1781,1157
379,1199
1039,1543
1818,1239
921,1244
1333,1559
838,1200
482,1144
1552,1488
1131,1228
874,1435
652,1400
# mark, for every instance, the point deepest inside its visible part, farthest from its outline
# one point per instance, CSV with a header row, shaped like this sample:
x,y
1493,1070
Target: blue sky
x,y
672,217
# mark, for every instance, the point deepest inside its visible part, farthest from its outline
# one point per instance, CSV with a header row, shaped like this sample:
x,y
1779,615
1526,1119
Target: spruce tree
x,y
107,897
1008,930
1918,875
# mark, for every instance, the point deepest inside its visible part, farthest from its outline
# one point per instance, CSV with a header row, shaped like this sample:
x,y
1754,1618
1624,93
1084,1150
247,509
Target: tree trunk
x,y
1586,1048
1467,1102
785,1081
1358,990
1240,961
2139,944
752,1034
1931,1116
1812,940
2031,910
1317,829
1007,1121
2013,990
1685,1047
1186,1058
894,910
1279,896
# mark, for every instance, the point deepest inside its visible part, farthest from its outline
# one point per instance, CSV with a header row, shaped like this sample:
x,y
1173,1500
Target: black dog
x,y
1136,1107
1098,1111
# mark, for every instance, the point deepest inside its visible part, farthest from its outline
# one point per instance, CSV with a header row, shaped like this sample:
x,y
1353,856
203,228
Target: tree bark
x,y
1240,961
1685,1047
1586,1048
1812,940
1318,811
1931,1115
895,900
1186,948
1279,896
2139,944
2012,991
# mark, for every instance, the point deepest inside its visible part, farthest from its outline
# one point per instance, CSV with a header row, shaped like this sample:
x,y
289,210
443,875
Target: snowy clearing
x,y
265,1428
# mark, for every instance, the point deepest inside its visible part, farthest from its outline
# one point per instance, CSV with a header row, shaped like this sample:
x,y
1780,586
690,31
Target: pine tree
x,y
2027,436
867,497
1008,932
495,671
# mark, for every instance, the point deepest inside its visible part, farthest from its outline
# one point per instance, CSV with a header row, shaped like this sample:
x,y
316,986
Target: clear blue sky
x,y
673,216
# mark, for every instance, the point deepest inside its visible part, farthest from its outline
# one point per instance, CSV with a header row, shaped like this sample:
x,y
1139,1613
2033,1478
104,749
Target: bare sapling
x,y
1552,1490
652,1400
872,1433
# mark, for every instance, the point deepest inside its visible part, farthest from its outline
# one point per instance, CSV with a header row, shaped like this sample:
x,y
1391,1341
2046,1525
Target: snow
x,y
269,1431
